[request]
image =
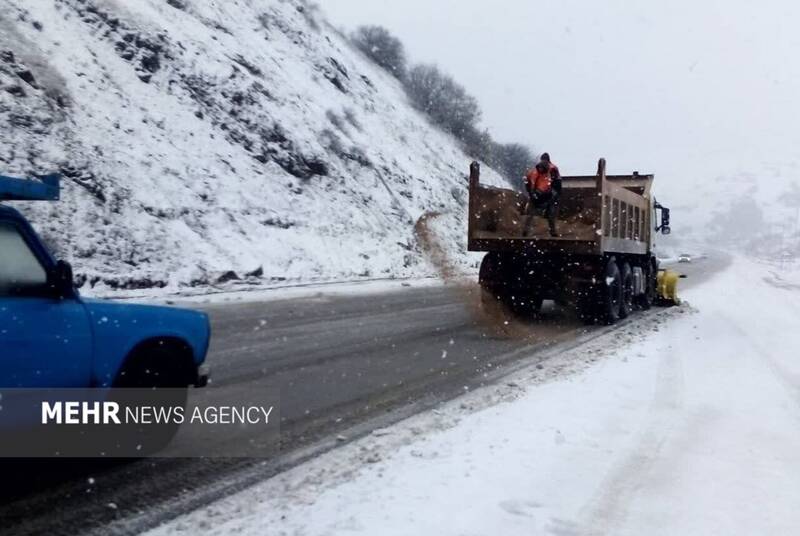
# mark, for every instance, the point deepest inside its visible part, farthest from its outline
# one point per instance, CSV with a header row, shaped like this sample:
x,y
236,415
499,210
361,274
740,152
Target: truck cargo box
x,y
597,214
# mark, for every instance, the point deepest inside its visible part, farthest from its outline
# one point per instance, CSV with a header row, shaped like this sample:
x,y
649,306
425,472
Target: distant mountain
x,y
755,211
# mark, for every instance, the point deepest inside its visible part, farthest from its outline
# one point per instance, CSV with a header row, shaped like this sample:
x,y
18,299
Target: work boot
x,y
554,233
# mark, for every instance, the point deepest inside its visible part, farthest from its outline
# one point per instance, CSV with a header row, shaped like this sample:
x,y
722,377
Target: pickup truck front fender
x,y
120,329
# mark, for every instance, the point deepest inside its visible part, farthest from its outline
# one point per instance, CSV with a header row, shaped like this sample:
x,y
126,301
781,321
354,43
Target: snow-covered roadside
x,y
680,427
280,292
782,273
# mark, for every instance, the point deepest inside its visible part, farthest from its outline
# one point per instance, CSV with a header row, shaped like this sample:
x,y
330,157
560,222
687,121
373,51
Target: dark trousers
x,y
542,202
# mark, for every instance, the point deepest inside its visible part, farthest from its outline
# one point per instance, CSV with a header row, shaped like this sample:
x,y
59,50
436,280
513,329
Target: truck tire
x,y
610,290
490,280
491,272
526,305
626,302
599,303
496,297
586,302
647,299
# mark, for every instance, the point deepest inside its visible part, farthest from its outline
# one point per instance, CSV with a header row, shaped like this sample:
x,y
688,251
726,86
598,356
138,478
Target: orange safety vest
x,y
541,182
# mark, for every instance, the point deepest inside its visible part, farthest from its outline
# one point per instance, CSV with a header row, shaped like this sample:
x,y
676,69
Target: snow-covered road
x,y
685,426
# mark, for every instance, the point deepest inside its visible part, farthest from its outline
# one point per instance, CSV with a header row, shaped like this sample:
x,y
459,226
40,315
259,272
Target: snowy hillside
x,y
205,141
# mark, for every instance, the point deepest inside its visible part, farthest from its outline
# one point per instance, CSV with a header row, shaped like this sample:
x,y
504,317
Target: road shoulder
x,y
412,441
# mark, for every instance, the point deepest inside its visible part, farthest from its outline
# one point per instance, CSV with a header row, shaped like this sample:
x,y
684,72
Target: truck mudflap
x,y
667,289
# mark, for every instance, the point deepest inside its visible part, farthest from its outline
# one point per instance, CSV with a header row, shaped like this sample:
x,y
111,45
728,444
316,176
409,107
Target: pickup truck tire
x,y
158,363
626,302
162,364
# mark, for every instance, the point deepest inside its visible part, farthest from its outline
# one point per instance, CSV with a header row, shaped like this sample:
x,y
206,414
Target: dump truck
x,y
602,261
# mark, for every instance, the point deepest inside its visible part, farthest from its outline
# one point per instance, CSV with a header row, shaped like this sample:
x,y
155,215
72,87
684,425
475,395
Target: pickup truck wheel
x,y
626,303
161,367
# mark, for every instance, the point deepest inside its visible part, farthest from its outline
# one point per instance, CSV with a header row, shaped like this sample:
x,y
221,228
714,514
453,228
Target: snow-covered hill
x,y
754,211
202,141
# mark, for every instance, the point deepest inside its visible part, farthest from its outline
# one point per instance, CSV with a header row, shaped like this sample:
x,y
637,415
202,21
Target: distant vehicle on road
x,y
684,257
51,337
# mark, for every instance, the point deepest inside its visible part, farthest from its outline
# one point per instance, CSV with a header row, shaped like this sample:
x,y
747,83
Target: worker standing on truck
x,y
539,183
555,174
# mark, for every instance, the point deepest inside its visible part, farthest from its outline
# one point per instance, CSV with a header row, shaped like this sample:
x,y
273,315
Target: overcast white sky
x,y
658,86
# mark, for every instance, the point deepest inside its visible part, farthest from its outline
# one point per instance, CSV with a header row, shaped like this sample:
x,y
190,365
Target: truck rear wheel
x,y
490,279
494,291
610,293
626,302
587,305
499,298
600,302
526,305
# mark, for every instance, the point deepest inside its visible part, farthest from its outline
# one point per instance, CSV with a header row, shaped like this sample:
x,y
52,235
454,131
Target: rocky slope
x,y
209,141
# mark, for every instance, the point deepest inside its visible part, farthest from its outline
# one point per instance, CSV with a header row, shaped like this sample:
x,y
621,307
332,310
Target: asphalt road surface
x,y
343,365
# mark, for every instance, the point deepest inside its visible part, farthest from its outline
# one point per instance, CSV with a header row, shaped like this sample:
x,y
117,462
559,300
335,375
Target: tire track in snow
x,y
788,380
607,510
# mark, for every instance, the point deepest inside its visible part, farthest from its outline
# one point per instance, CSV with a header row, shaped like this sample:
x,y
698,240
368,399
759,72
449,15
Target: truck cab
x,y
52,337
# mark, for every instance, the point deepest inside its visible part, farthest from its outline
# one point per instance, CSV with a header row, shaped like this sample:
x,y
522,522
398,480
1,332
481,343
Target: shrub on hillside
x,y
513,160
443,100
382,47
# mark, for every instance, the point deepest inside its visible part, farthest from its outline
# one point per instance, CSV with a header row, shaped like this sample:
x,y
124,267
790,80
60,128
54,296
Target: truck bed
x,y
596,214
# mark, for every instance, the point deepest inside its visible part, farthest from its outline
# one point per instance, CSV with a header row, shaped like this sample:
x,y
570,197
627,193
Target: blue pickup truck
x,y
51,337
